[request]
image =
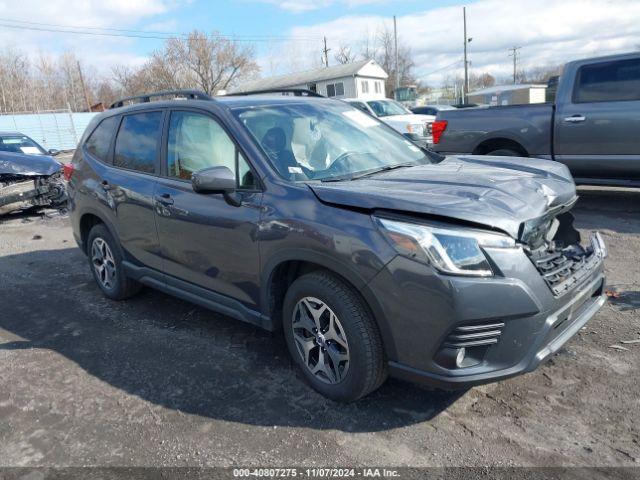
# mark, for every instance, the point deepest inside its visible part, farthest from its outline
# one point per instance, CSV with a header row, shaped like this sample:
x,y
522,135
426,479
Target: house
x,y
350,80
509,94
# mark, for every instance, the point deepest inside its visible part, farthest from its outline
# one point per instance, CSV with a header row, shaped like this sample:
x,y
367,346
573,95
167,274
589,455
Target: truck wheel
x,y
333,338
105,260
504,152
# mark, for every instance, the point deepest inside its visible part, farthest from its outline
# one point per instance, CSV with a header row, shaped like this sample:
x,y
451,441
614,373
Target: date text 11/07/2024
x,y
316,472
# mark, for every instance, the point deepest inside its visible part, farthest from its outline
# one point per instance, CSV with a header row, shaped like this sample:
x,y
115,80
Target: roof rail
x,y
145,98
296,92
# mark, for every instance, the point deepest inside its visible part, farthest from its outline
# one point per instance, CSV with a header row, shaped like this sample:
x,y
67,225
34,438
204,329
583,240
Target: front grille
x,y
474,335
562,269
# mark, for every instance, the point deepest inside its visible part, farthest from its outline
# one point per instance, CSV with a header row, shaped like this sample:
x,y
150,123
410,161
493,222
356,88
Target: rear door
x,y
598,124
130,185
206,240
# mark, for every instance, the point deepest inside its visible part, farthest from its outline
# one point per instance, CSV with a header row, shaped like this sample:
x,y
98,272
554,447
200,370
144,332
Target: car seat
x,y
274,142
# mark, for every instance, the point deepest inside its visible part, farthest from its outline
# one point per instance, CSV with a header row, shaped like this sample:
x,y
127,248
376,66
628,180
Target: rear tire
x,y
504,152
105,260
339,350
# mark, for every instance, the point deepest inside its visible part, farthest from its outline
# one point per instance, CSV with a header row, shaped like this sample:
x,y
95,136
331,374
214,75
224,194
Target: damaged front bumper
x,y
451,332
22,193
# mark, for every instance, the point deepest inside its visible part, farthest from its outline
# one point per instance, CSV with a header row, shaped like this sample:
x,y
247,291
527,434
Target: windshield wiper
x,y
367,173
386,168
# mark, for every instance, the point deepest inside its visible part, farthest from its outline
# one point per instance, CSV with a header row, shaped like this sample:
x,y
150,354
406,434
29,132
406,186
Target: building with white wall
x,y
517,94
365,79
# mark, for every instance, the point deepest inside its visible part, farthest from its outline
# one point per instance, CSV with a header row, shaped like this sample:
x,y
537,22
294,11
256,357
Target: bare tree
x,y
210,63
381,48
482,80
539,74
344,55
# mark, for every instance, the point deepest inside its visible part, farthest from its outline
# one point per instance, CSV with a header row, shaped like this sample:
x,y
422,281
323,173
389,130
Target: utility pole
x,y
465,88
326,51
395,42
514,54
84,88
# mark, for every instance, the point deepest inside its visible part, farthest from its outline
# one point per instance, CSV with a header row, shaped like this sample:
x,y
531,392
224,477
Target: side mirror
x,y
53,152
214,180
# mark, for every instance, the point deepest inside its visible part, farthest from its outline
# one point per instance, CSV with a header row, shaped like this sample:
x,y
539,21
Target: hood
x,y
411,118
28,165
498,192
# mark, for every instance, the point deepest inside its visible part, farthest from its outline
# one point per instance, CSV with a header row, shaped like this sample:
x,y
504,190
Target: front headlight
x,y
450,250
417,129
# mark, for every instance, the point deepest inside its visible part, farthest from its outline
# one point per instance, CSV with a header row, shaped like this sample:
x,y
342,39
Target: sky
x,y
287,34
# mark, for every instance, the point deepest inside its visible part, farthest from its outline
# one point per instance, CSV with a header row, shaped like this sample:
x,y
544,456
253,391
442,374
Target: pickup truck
x,y
593,126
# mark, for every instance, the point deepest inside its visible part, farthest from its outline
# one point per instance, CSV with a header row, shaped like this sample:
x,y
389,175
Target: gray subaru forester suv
x,y
305,216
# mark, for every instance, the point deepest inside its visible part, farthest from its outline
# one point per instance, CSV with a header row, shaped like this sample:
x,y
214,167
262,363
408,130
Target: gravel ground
x,y
158,381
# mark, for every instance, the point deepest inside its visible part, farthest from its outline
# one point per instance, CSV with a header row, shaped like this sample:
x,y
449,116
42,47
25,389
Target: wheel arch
x,y
87,221
282,270
496,143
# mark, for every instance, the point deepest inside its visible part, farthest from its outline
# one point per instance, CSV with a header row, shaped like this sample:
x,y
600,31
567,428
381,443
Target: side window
x,y
197,141
608,82
246,178
137,142
99,141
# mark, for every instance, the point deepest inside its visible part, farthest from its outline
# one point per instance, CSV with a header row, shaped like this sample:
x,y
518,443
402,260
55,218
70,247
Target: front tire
x,y
105,261
333,338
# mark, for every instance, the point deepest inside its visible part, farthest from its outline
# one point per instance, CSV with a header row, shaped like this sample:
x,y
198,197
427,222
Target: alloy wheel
x,y
103,263
320,340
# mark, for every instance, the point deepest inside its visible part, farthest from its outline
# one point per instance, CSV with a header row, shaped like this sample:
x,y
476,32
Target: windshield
x,y
384,108
326,140
20,144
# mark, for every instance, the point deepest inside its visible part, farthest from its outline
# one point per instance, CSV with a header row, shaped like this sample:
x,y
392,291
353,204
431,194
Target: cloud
x,y
301,6
549,32
98,50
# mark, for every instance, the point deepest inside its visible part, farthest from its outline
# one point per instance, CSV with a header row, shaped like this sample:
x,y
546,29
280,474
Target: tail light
x,y
67,171
437,128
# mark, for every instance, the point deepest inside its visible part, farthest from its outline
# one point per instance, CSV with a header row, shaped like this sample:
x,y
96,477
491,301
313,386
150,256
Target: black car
x,y
306,216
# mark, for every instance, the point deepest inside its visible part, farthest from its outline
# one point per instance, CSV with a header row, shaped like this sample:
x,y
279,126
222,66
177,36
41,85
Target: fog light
x,y
460,357
451,357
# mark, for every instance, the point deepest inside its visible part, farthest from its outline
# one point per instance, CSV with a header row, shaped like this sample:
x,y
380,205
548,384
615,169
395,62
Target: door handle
x,y
575,119
164,199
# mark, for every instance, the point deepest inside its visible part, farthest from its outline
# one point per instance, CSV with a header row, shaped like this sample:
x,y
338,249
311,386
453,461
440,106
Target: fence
x,y
59,129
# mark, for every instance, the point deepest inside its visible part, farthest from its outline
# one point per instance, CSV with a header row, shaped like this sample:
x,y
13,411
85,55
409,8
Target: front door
x,y
597,129
206,239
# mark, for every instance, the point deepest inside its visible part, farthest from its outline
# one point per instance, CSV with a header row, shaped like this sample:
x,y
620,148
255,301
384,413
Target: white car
x,y
413,126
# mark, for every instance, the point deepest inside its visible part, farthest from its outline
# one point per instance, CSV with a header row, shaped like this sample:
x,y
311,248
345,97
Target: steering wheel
x,y
344,163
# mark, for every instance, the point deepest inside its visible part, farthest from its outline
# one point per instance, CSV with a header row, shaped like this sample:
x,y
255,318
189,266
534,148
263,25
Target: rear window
x,y
137,142
608,82
100,140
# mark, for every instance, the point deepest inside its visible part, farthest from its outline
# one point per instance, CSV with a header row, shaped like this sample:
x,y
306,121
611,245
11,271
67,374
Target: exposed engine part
x,y
563,261
24,192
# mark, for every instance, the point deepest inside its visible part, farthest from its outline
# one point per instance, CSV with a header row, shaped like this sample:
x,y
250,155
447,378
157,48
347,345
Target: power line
x,y
113,32
442,68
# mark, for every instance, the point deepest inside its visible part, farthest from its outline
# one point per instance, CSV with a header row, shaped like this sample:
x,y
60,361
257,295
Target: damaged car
x,y
309,218
30,180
